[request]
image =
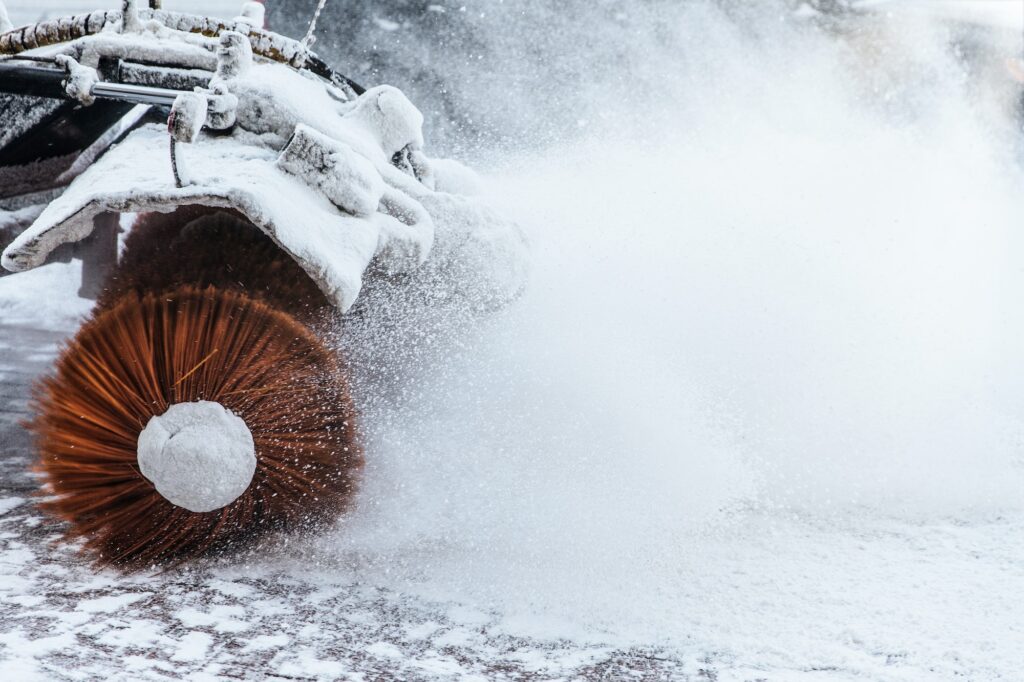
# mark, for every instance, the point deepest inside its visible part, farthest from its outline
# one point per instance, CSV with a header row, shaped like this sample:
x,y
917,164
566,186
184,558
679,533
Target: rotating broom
x,y
199,406
194,410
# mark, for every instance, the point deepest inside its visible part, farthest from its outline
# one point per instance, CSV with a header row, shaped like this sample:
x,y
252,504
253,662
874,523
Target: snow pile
x,y
198,455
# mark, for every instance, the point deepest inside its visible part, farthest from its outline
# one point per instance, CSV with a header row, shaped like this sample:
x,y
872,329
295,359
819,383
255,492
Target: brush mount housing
x,y
142,110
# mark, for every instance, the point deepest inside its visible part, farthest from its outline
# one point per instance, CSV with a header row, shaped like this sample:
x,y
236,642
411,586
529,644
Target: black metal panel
x,y
29,79
43,131
69,129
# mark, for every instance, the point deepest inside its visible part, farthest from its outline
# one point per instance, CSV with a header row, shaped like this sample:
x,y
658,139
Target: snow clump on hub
x,y
199,455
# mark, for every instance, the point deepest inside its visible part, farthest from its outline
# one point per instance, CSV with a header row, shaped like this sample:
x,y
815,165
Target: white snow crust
x,y
307,166
80,80
188,116
349,180
333,247
198,455
234,55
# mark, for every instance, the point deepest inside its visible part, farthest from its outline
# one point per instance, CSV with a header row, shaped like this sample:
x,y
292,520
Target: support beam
x,y
98,252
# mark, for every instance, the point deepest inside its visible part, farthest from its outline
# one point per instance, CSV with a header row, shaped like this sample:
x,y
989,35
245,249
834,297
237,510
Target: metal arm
x,y
40,81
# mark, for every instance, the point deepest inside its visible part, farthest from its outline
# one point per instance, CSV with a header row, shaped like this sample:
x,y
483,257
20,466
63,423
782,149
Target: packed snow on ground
x,y
757,417
46,297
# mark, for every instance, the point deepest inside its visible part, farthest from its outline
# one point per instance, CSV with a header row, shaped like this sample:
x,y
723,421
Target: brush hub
x,y
199,455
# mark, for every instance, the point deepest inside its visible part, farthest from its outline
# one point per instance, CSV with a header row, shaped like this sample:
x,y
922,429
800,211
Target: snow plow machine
x,y
230,196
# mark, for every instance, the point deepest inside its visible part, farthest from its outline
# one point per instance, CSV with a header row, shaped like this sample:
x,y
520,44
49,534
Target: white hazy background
x,y
777,283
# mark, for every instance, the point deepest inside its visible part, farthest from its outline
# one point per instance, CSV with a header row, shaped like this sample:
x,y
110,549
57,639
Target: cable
x,y
309,39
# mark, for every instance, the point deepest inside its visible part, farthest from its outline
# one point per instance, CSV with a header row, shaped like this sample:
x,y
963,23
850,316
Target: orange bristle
x,y
212,247
172,329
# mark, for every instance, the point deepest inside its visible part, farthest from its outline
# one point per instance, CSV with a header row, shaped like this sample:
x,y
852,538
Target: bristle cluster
x,y
204,247
146,351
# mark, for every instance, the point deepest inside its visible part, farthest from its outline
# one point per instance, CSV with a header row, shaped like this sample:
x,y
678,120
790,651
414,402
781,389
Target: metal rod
x,y
264,43
138,94
40,81
33,81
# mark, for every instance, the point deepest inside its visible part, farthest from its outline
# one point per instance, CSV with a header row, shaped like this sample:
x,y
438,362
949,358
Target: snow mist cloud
x,y
776,273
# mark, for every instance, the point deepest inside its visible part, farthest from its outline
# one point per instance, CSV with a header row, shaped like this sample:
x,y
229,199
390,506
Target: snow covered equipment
x,y
200,404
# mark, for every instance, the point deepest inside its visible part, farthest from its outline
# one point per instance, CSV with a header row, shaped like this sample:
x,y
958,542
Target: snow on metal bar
x,y
54,31
332,247
314,170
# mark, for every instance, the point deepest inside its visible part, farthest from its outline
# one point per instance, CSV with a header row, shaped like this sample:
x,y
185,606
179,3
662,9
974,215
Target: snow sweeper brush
x,y
199,406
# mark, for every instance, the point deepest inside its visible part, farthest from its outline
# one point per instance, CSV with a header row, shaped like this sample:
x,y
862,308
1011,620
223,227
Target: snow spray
x,y
776,276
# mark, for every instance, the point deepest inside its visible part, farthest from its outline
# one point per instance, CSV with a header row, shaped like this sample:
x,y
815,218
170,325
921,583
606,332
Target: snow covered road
x,y
255,618
775,597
